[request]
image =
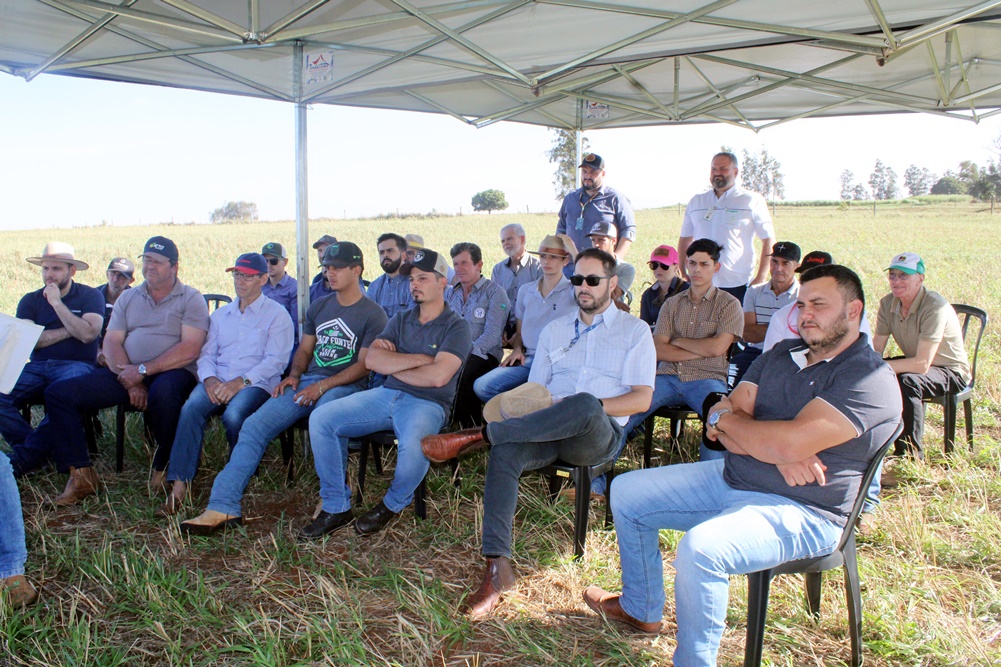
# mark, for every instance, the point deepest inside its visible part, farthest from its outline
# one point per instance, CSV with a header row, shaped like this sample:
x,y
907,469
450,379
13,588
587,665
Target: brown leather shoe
x,y
445,446
210,522
18,591
82,483
497,578
607,604
158,484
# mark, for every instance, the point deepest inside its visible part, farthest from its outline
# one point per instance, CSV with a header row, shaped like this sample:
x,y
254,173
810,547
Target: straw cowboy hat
x,y
518,402
56,251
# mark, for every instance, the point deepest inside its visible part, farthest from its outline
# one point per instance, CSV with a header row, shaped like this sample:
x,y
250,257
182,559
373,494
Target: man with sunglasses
x,y
283,288
595,202
598,366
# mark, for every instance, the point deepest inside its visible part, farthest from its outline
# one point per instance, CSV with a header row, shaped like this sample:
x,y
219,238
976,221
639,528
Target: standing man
x,y
731,216
239,366
762,301
598,366
121,275
329,364
520,268
538,304
391,290
694,331
800,432
152,344
421,352
484,305
72,315
596,202
926,329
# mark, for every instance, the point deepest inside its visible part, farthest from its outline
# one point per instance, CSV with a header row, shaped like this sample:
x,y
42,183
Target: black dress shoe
x,y
374,520
326,522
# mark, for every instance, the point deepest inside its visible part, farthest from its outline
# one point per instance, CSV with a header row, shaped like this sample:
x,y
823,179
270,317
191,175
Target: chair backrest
x,y
213,301
966,313
870,472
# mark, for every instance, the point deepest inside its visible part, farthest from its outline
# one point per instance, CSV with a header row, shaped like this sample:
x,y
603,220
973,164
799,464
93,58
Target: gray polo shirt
x,y
536,311
763,302
446,333
153,328
856,383
486,310
528,271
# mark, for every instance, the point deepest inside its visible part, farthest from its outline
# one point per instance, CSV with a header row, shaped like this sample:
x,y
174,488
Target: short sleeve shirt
x,y
528,271
580,211
930,318
446,333
857,383
80,300
341,332
717,312
536,311
764,302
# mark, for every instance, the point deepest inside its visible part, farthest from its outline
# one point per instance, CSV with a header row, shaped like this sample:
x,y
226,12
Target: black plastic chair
x,y
213,301
950,402
843,556
678,414
92,426
560,473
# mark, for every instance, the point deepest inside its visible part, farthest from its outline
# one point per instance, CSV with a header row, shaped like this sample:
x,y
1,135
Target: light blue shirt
x,y
254,344
529,270
486,310
392,293
536,311
607,361
286,292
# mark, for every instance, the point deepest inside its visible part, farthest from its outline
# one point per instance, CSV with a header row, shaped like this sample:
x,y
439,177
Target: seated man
x,y
282,287
15,589
927,330
667,282
329,364
121,275
415,242
71,315
761,301
156,332
800,432
598,365
421,352
484,305
539,303
603,237
319,287
519,268
694,331
391,290
238,368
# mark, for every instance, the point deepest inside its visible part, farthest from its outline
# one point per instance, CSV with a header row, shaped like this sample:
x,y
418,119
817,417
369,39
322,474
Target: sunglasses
x,y
273,261
654,265
592,281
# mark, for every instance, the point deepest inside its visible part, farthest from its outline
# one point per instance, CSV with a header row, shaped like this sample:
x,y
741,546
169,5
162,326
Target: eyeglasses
x,y
273,261
654,265
245,277
592,281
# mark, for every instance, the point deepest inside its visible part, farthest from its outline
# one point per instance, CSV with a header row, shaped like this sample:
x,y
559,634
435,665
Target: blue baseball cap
x,y
250,263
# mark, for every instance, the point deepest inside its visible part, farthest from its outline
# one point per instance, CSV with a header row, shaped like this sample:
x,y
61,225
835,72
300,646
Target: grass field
x,y
120,587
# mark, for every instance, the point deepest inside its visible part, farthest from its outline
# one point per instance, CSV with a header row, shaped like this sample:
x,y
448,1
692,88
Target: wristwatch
x,y
715,417
246,382
142,369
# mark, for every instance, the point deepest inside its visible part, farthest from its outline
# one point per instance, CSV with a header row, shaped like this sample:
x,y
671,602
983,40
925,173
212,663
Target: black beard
x,y
597,303
832,338
391,266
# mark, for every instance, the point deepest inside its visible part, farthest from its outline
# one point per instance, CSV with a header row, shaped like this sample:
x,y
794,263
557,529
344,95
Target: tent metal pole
x,y
578,140
301,188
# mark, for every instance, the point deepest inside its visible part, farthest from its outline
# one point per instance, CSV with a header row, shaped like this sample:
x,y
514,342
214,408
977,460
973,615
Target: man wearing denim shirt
x,y
595,202
391,290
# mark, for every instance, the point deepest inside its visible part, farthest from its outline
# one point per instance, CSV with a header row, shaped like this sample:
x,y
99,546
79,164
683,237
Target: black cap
x,y
593,160
815,258
123,265
426,260
342,254
275,249
787,250
326,239
161,245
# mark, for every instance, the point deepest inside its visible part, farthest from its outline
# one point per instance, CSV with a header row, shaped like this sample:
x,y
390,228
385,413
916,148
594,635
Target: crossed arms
x,y
418,370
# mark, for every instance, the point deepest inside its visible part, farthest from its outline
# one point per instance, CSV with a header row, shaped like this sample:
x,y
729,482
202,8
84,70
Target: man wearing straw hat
x,y
72,315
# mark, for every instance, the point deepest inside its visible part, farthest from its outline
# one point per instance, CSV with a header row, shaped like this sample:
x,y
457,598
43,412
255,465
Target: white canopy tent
x,y
574,64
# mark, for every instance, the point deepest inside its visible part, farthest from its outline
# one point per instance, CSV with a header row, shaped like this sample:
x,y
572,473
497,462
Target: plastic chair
x,y
559,473
92,426
678,414
213,301
843,556
950,401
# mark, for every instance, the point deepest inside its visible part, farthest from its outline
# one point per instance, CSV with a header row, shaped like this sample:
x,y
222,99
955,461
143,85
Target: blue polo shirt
x,y
80,299
606,206
392,293
286,293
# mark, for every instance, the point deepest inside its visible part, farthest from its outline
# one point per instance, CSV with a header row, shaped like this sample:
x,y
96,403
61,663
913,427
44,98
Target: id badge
x,y
580,223
556,355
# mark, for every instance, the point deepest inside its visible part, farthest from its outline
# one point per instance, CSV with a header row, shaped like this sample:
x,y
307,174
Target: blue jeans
x,y
379,409
575,430
727,532
61,435
13,552
187,450
260,428
499,380
30,388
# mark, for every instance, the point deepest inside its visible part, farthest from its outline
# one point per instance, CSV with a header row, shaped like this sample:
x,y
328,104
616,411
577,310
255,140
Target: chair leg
x,y
648,440
950,409
120,439
89,431
609,519
758,584
377,459
582,482
968,416
420,499
287,440
854,594
813,581
555,485
362,464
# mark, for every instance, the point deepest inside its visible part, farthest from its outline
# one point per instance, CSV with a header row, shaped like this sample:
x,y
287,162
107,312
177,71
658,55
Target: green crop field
x,y
121,587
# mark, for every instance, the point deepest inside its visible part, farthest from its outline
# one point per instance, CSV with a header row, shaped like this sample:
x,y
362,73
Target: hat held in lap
x,y
518,402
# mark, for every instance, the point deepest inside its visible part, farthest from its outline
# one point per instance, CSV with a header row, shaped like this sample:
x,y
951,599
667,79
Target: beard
x,y
61,285
595,302
829,338
719,182
391,265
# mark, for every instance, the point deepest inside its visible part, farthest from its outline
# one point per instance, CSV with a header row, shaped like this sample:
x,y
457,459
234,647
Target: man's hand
x,y
130,376
225,391
383,344
51,294
290,381
804,472
516,358
138,396
309,395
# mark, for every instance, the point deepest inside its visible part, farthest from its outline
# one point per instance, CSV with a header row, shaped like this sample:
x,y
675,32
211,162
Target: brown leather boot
x,y
497,578
445,446
82,483
19,591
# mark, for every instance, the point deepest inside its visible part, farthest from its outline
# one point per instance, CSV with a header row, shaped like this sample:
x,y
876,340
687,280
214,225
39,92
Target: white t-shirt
x,y
785,324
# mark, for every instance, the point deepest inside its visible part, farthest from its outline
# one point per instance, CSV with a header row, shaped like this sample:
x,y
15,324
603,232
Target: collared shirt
x,y
764,302
486,310
254,344
108,307
930,318
526,271
715,313
784,325
392,293
608,205
152,328
80,300
652,299
607,361
286,293
733,221
536,311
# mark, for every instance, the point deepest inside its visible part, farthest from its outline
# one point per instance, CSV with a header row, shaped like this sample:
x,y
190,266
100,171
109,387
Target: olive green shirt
x,y
931,318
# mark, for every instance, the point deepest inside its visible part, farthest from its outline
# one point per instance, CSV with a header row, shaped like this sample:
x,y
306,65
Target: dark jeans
x,y
575,430
743,361
62,435
737,292
914,388
468,408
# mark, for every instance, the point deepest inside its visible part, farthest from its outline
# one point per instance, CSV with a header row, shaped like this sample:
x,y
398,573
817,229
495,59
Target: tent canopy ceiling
x,y
561,63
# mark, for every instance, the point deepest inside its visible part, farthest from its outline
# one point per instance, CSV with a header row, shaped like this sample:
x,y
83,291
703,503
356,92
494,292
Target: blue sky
x,y
78,152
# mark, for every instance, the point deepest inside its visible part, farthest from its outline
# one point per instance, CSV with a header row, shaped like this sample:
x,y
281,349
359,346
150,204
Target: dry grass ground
x,y
120,587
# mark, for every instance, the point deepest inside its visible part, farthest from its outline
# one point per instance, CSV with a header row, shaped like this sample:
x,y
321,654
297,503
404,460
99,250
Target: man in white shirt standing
x,y
731,216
